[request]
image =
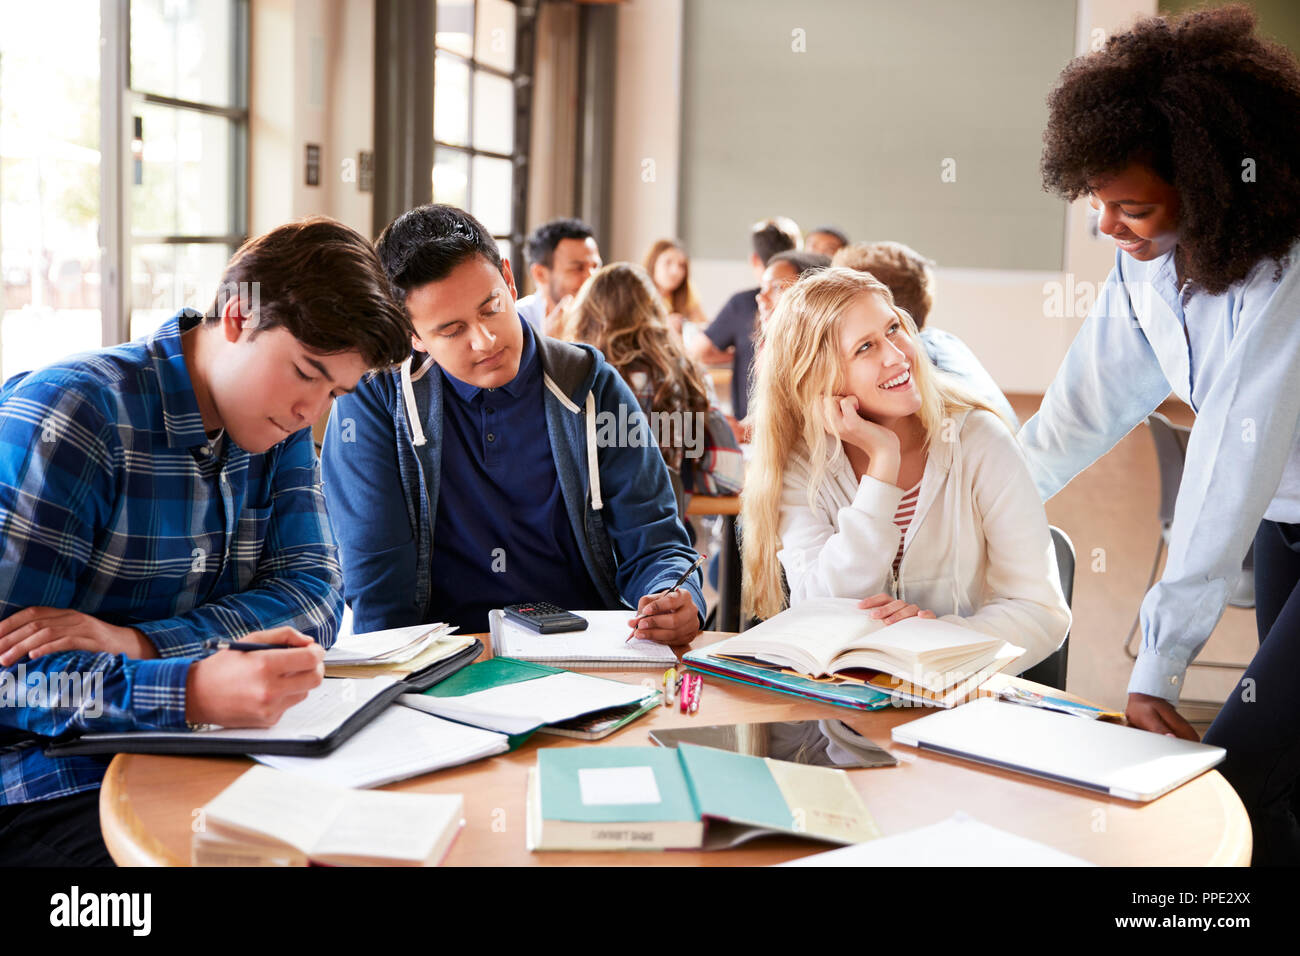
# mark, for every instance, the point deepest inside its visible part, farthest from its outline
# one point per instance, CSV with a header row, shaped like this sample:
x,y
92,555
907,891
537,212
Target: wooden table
x,y
148,803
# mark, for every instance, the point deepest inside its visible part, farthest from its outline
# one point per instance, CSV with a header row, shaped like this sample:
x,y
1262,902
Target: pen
x,y
670,685
214,644
699,689
680,581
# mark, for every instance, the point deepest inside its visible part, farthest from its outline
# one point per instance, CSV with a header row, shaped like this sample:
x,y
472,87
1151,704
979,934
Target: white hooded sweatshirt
x,y
977,553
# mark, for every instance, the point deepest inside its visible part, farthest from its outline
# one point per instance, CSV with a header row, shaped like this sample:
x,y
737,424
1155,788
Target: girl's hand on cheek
x,y
879,443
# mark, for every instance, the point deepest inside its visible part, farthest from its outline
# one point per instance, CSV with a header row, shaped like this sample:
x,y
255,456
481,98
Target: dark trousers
x,y
60,832
1260,721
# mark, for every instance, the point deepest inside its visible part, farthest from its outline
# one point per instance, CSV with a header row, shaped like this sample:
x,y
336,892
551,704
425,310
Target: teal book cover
x,y
613,785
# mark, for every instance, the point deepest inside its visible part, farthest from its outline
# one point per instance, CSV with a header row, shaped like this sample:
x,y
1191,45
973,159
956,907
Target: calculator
x,y
544,618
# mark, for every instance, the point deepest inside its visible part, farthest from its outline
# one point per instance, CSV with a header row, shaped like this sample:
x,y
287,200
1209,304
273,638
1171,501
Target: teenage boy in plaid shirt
x,y
162,492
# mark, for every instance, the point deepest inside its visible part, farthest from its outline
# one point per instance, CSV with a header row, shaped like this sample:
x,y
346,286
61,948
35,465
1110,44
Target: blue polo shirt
x,y
502,533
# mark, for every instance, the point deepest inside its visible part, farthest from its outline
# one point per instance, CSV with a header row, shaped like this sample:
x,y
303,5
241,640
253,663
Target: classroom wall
x,y
1006,315
311,81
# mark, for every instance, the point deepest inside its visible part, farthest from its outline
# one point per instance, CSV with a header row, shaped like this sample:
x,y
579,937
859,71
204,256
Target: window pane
x,y
503,245
450,101
490,196
49,183
454,26
184,49
166,277
451,177
186,178
494,113
494,34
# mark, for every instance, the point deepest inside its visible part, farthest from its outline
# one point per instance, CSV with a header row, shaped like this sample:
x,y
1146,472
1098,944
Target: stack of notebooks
x,y
829,649
652,798
602,646
268,818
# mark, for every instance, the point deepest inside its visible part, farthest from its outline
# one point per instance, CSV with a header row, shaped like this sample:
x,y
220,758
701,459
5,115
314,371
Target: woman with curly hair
x,y
1184,134
666,263
872,477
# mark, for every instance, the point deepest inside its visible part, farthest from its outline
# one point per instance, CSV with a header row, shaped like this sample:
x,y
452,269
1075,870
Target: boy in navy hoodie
x,y
496,465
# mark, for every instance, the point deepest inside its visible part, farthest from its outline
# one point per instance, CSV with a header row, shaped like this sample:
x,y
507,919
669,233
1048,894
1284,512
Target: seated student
x,y
783,270
667,264
730,337
498,465
619,311
165,491
825,241
872,478
910,278
561,253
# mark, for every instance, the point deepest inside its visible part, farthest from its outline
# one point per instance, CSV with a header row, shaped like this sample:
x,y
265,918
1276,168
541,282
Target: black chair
x,y
1051,671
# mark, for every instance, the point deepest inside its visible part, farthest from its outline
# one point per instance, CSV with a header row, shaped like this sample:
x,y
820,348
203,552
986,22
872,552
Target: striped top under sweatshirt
x,y
115,503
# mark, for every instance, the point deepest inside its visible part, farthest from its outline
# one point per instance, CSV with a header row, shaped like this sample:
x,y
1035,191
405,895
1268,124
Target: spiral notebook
x,y
602,646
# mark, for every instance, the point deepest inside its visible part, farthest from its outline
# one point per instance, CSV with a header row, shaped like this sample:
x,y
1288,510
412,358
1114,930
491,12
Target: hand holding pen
x,y
668,617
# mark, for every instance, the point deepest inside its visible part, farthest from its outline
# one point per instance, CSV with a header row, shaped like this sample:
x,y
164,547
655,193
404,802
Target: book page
x,y
390,826
286,808
392,646
325,709
819,628
398,744
546,700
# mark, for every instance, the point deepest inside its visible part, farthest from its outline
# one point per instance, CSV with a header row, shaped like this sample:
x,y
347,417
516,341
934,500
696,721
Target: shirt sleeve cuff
x,y
158,693
876,498
1158,676
170,638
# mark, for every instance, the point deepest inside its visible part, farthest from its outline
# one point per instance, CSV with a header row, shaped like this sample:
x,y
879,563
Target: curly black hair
x,y
1193,98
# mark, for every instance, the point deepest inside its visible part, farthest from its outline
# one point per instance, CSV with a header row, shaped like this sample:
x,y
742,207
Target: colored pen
x,y
699,689
670,685
680,581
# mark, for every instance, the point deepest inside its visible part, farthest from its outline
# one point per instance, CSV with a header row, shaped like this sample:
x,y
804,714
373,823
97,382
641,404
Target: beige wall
x,y
312,81
1001,314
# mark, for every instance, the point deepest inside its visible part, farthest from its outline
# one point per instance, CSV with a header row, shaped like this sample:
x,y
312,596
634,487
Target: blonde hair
x,y
683,299
619,311
799,365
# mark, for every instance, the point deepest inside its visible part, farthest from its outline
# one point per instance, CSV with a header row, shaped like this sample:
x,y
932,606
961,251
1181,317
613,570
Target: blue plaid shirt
x,y
114,503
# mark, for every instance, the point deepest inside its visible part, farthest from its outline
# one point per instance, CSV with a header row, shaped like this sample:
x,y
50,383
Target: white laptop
x,y
1121,761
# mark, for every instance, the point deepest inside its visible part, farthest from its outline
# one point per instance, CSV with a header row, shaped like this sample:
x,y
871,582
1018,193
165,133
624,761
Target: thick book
x,y
825,637
270,818
651,798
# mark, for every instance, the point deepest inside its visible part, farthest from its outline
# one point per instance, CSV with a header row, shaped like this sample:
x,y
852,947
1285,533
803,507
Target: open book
x,y
271,818
825,636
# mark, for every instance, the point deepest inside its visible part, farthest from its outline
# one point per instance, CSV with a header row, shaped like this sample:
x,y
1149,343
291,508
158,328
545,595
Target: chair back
x,y
1052,670
1171,453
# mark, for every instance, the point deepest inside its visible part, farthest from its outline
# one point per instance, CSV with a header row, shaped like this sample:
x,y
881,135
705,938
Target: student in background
x,y
783,270
561,254
164,491
667,264
825,241
1184,134
730,337
910,277
872,478
619,312
497,465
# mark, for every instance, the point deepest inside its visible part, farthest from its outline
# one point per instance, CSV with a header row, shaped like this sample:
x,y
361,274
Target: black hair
x,y
802,261
769,239
427,243
540,246
1204,102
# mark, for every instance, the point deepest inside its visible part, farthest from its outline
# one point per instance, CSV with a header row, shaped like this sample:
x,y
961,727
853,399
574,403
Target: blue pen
x,y
216,644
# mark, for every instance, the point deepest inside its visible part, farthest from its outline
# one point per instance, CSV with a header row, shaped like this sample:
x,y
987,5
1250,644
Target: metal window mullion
x,y
114,225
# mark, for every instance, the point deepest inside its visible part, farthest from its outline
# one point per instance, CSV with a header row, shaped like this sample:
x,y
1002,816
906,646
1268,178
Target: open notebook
x,y
602,646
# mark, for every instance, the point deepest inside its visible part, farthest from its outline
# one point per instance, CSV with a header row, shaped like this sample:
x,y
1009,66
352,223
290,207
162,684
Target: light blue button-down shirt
x,y
1235,359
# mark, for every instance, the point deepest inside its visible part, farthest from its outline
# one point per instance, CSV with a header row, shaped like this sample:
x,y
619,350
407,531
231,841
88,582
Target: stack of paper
x,y
398,744
398,651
